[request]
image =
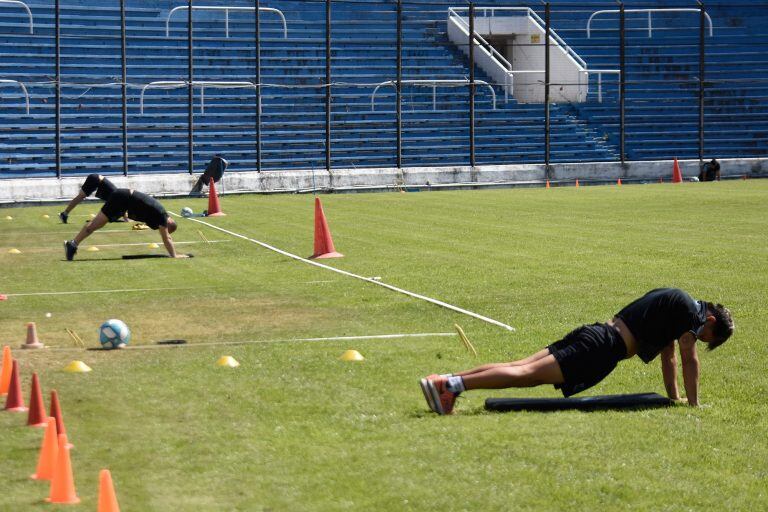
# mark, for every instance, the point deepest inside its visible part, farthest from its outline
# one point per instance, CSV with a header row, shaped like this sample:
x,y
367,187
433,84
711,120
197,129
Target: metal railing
x,y
23,88
599,73
434,84
226,10
23,6
201,84
650,12
530,13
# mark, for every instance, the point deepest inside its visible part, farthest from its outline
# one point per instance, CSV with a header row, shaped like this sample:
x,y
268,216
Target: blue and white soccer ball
x,y
114,334
186,212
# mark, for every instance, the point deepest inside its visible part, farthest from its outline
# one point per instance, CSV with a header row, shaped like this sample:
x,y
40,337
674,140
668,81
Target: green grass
x,y
294,428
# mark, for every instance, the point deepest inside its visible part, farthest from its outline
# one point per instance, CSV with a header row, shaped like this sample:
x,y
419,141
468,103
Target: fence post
x,y
124,86
399,85
328,85
190,96
472,161
57,108
547,127
258,87
622,82
702,33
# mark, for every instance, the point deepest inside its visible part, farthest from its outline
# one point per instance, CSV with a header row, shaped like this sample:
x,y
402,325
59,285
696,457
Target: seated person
x,y
710,171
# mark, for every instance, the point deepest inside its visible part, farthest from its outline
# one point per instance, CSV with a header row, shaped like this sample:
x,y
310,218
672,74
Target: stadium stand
x,y
661,102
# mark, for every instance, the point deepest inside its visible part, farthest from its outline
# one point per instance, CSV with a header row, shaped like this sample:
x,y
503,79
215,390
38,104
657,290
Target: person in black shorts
x,y
93,183
136,205
710,171
647,327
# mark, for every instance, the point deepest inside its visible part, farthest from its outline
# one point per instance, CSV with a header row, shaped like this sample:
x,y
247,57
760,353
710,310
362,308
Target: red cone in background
x,y
37,416
32,341
618,182
15,401
56,413
577,182
677,176
214,210
323,241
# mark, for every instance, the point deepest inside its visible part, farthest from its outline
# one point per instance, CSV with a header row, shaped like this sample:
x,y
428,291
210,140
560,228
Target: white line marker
x,y
366,279
83,292
289,340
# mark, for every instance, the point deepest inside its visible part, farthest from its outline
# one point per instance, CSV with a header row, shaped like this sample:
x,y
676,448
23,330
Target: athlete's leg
x,y
96,223
521,362
545,370
74,202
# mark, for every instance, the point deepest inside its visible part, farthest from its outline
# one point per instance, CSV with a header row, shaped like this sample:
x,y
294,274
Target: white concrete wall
x,y
52,189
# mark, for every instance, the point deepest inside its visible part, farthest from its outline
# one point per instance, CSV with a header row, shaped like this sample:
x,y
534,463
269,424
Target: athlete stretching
x,y
647,327
139,207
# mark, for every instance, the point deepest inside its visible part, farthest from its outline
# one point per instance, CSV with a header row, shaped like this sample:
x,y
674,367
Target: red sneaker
x,y
427,393
443,399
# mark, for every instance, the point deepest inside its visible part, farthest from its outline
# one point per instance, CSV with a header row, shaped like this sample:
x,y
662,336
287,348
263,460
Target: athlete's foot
x,y
443,399
70,249
64,217
425,389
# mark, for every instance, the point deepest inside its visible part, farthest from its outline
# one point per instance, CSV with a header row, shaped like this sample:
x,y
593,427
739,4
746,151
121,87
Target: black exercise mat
x,y
637,400
147,256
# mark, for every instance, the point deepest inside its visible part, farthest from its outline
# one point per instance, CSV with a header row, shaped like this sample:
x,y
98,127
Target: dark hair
x,y
171,226
723,324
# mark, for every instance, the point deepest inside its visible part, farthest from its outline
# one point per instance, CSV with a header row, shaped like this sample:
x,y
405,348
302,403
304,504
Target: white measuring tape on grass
x,y
366,279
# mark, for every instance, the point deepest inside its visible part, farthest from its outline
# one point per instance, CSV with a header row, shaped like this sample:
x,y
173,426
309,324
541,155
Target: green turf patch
x,y
294,428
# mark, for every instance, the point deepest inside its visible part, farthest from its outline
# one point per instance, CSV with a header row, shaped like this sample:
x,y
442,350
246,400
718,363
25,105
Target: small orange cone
x,y
5,374
677,176
37,416
618,182
32,341
323,241
214,210
577,182
63,483
107,498
547,185
46,462
15,401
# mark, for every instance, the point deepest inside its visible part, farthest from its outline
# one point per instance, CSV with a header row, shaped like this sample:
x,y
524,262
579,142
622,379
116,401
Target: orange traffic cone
x,y
214,210
323,241
107,498
37,416
46,462
55,411
618,182
547,185
32,341
677,176
63,483
15,401
577,182
5,374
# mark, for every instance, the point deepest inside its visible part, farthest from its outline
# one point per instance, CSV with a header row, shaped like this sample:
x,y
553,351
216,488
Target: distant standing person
x,y
647,327
93,183
139,207
710,171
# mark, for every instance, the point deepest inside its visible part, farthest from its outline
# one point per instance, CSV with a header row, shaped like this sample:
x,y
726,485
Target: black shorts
x,y
587,355
97,183
117,204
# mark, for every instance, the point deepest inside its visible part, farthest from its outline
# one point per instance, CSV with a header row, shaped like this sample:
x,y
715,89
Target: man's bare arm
x,y
669,371
690,362
168,242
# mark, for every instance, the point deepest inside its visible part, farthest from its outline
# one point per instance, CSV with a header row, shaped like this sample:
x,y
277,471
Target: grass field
x,y
293,428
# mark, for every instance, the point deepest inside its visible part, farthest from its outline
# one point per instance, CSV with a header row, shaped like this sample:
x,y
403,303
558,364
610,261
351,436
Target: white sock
x,y
455,385
446,375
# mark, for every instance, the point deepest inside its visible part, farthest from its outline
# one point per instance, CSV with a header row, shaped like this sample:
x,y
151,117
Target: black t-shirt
x,y
99,184
140,207
660,317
